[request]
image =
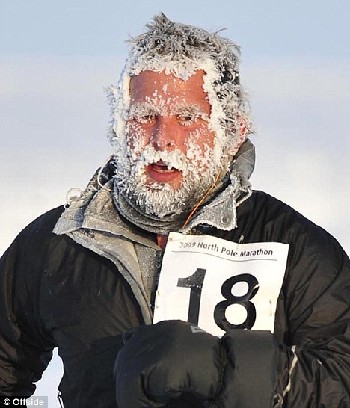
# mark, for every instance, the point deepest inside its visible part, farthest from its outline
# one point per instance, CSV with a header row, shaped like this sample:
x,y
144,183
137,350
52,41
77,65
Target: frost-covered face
x,y
170,143
169,114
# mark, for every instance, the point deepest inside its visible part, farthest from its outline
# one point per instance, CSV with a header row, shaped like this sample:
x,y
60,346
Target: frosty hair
x,y
181,50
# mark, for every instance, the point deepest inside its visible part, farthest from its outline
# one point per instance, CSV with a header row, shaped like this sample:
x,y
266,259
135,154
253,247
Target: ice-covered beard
x,y
161,199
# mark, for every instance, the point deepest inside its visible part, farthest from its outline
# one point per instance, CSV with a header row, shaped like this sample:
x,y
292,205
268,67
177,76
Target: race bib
x,y
220,285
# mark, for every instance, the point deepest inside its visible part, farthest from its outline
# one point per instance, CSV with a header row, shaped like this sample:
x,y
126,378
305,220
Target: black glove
x,y
174,364
168,362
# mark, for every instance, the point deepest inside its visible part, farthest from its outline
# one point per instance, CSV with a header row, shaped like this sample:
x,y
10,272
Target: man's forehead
x,y
165,81
162,88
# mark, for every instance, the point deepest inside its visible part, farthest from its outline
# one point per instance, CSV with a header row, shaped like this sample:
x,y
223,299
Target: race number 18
x,y
195,283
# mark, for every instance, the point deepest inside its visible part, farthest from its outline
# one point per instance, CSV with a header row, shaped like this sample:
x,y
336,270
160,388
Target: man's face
x,y
169,142
169,114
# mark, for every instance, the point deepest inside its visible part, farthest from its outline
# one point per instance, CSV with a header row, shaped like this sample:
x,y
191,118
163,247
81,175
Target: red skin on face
x,y
167,130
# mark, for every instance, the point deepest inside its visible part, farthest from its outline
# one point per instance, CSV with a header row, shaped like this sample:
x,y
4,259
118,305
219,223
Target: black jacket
x,y
54,292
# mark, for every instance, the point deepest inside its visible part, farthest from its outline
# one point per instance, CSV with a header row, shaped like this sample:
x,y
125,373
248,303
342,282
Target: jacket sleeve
x,y
25,348
314,316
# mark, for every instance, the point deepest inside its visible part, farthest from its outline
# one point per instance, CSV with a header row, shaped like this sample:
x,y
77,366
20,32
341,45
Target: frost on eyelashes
x,y
145,112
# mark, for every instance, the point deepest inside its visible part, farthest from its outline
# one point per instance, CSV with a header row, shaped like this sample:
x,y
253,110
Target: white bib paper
x,y
220,285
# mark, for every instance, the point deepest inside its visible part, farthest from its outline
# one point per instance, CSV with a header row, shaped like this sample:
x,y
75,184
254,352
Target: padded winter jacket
x,y
56,292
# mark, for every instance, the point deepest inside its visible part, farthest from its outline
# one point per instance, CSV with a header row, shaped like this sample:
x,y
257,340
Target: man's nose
x,y
163,137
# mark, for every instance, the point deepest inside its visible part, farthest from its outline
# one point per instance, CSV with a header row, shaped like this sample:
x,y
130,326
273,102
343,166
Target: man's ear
x,y
241,130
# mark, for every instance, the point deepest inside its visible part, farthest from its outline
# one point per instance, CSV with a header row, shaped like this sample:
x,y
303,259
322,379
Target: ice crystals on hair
x,y
181,50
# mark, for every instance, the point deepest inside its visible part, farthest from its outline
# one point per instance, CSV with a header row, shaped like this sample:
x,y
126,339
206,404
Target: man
x,y
92,278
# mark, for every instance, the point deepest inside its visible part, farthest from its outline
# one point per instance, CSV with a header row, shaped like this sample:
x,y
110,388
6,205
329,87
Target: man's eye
x,y
186,120
144,118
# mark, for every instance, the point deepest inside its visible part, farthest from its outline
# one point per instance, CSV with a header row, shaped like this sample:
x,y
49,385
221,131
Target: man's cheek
x,y
136,141
199,154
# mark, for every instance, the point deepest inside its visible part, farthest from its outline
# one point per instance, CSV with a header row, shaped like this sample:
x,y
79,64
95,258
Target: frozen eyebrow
x,y
142,109
193,111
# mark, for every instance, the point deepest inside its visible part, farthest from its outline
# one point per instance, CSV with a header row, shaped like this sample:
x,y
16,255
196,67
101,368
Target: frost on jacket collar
x,y
93,221
218,208
221,211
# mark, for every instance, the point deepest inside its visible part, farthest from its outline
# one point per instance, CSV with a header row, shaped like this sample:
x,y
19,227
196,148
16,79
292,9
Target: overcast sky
x,y
57,57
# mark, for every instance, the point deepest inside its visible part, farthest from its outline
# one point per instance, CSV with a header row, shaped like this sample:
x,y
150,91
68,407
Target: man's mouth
x,y
162,172
161,167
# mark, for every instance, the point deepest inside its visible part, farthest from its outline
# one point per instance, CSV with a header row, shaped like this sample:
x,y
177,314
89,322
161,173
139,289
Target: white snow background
x,y
56,58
